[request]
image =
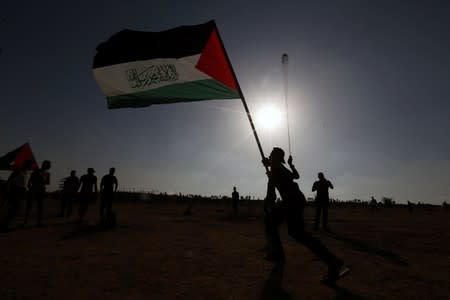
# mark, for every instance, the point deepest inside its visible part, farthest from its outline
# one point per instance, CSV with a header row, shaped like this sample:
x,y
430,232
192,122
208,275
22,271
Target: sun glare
x,y
269,117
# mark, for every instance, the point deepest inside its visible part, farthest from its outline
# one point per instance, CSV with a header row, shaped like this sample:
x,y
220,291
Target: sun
x,y
269,117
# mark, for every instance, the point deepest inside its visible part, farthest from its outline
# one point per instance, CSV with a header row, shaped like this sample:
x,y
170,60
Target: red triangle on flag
x,y
214,63
25,154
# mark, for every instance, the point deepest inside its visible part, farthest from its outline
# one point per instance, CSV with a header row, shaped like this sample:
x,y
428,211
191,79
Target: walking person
x,y
108,186
290,209
322,200
16,187
69,193
36,185
88,192
235,199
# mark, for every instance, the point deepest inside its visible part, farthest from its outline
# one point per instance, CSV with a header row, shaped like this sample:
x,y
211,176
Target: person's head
x,y
320,175
73,173
112,171
234,188
91,171
46,165
276,156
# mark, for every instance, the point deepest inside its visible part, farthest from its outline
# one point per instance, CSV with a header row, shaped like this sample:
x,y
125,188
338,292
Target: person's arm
x,y
80,184
295,174
271,196
95,185
314,187
102,184
116,184
330,185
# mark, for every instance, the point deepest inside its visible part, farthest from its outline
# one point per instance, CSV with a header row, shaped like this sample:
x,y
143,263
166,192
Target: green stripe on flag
x,y
199,90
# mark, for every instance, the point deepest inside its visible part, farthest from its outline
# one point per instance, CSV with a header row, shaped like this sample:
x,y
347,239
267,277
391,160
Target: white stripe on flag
x,y
144,75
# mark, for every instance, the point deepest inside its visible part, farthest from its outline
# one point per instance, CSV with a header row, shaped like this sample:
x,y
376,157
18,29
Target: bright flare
x,y
269,117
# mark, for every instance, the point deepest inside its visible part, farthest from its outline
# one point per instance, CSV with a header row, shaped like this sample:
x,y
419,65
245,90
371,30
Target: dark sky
x,y
369,96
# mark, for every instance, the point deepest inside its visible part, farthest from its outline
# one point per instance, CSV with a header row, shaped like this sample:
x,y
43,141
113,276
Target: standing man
x,y
235,199
88,192
322,200
291,209
16,187
108,186
36,185
70,188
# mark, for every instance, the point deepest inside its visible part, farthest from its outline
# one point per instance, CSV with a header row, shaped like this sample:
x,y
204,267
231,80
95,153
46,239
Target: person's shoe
x,y
274,257
336,271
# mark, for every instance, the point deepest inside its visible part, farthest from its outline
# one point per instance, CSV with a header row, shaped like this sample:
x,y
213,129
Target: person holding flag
x,y
291,209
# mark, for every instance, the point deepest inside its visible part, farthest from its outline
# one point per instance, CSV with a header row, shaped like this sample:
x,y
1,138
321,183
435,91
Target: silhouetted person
x,y
445,205
36,185
16,186
88,192
291,209
108,186
322,200
410,207
69,193
373,204
235,199
188,211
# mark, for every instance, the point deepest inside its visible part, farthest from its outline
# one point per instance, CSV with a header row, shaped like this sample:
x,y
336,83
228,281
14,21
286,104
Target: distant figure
x,y
291,209
410,207
88,192
16,186
188,211
445,205
69,193
108,186
322,200
235,199
373,204
36,185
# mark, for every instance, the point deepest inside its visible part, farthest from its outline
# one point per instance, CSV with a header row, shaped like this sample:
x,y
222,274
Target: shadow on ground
x,y
365,247
344,294
272,287
82,230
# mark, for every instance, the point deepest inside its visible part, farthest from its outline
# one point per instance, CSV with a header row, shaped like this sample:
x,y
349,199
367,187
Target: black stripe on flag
x,y
129,45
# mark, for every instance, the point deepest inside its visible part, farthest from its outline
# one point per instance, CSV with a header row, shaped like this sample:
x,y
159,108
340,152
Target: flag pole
x,y
241,95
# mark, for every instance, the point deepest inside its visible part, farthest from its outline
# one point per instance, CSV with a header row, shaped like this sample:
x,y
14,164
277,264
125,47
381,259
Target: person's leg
x,y
296,230
30,198
15,197
109,201
63,205
69,204
272,221
40,207
102,209
325,215
317,218
82,206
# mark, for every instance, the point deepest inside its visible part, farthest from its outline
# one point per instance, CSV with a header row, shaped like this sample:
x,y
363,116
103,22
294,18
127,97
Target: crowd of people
x,y
84,191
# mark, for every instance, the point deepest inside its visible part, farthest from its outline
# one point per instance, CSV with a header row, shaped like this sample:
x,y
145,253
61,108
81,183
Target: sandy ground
x,y
157,253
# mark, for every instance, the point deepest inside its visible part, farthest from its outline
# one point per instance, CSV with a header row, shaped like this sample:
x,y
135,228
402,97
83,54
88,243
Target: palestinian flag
x,y
187,63
17,157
